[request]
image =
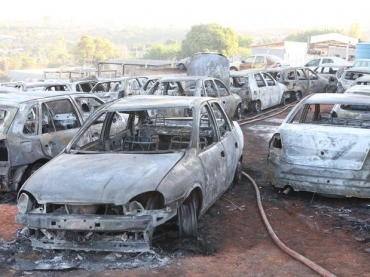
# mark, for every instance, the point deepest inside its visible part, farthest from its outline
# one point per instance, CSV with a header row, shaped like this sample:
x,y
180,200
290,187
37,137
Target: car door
x,y
60,121
315,84
87,104
228,101
302,79
274,93
228,140
262,92
247,63
212,156
260,62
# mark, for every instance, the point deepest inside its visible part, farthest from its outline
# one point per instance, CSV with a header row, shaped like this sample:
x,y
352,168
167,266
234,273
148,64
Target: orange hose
x,y
322,271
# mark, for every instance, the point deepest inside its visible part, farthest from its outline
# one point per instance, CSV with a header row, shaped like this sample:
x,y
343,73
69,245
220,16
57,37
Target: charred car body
x,y
299,81
35,127
112,89
257,89
316,151
140,176
350,76
199,86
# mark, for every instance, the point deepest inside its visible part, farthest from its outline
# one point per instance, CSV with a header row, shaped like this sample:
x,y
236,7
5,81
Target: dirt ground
x,y
233,241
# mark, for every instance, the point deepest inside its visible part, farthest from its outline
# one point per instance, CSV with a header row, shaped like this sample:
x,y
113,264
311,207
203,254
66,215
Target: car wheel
x,y
181,66
238,173
256,106
32,169
238,112
298,96
188,218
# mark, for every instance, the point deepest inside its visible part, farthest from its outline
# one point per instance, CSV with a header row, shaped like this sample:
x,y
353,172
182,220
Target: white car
x,y
312,64
257,89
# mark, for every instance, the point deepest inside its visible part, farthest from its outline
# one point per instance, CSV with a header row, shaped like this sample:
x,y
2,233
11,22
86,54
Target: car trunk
x,y
325,146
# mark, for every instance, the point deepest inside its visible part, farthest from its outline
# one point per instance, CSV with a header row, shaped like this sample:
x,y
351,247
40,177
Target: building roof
x,y
334,37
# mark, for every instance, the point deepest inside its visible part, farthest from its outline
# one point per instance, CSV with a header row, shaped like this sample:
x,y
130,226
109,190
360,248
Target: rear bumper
x,y
349,183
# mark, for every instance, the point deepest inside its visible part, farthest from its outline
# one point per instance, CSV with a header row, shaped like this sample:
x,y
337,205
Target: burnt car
x,y
199,86
356,111
300,81
362,81
350,76
257,89
172,160
317,152
35,127
262,61
44,86
332,72
115,88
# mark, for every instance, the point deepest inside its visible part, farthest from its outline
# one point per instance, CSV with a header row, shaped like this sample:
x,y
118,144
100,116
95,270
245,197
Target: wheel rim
x,y
239,112
187,218
257,106
298,96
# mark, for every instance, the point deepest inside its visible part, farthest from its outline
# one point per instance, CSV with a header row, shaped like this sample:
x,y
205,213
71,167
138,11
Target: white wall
x,y
295,52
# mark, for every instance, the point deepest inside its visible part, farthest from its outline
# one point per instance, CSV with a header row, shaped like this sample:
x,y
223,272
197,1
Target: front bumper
x,y
122,233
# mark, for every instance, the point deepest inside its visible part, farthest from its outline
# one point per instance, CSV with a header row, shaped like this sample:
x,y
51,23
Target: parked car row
x,y
171,152
76,161
260,89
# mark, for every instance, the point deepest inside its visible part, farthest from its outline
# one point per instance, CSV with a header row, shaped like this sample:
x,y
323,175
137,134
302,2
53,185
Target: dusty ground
x,y
233,241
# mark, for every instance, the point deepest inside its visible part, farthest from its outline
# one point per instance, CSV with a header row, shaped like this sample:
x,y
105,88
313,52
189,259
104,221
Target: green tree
x,y
84,50
245,41
304,36
90,50
163,51
209,38
104,50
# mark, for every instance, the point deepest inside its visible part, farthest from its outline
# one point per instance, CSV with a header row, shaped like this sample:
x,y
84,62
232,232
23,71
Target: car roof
x,y
363,78
44,84
336,98
155,102
245,72
20,97
359,89
184,78
359,69
333,65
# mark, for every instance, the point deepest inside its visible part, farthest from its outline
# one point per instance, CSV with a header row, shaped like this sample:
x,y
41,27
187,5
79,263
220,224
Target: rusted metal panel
x,y
210,65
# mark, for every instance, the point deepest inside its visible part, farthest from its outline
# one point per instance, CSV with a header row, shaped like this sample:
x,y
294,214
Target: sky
x,y
238,14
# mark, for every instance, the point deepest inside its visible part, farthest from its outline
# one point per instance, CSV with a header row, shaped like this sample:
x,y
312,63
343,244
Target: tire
x,y
298,96
181,66
188,218
31,170
238,174
256,106
238,112
326,89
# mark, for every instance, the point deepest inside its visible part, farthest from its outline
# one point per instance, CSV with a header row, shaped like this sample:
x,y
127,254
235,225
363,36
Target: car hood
x,y
99,178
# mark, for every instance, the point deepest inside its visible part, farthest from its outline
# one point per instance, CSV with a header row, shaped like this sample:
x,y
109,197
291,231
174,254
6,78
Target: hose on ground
x,y
320,270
